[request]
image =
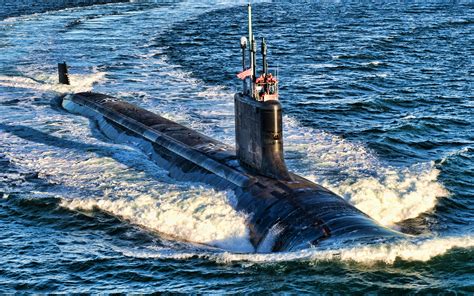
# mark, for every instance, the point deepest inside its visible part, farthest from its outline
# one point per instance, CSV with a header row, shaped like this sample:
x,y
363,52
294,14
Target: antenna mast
x,y
252,51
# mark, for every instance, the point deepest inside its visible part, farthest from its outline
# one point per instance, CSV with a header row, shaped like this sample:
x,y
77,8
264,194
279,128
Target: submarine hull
x,y
290,213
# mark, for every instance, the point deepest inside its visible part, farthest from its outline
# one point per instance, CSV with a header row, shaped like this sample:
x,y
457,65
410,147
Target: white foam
x,y
373,63
420,250
49,83
395,195
198,215
387,194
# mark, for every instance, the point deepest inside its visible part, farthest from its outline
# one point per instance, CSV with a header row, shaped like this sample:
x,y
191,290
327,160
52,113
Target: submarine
x,y
284,209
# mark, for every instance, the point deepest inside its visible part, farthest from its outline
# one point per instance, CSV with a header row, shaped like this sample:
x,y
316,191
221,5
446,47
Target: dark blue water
x,y
379,108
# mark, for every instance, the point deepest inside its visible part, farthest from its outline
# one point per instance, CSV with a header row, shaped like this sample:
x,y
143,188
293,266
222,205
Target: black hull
x,y
295,212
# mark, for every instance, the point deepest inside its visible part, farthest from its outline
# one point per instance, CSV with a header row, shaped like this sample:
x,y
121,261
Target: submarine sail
x,y
297,212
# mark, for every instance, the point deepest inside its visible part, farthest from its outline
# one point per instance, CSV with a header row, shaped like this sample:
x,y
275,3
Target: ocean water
x,y
379,107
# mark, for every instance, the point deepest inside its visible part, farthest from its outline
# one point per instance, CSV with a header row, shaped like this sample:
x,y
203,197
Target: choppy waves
x,y
420,170
388,194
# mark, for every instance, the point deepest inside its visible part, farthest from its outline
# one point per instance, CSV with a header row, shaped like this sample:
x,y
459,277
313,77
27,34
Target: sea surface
x,y
379,107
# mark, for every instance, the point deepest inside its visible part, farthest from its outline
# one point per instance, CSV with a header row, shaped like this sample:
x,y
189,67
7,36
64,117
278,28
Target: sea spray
x,y
387,194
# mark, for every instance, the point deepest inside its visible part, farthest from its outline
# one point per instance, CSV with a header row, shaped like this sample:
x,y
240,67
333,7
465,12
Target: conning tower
x,y
258,115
